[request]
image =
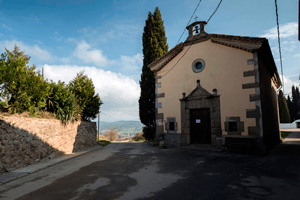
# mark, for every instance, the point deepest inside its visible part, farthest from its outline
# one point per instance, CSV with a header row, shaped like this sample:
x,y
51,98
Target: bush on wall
x,y
84,90
24,90
61,101
21,89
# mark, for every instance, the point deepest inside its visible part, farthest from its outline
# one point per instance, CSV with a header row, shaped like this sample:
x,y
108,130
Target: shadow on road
x,y
290,146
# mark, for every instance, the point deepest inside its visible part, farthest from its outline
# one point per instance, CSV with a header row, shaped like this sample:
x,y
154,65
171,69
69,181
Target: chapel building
x,y
214,86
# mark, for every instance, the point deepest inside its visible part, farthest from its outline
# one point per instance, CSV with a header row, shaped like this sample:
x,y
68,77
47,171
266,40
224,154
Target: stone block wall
x,y
172,139
25,141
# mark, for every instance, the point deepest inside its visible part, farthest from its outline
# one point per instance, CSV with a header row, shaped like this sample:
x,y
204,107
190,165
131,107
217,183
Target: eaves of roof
x,y
166,58
249,44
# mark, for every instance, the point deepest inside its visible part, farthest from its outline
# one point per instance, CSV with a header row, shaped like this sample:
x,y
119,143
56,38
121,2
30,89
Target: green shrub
x,y
84,90
61,101
21,89
105,142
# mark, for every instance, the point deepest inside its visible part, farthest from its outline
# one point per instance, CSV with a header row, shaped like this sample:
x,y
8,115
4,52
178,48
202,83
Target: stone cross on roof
x,y
196,18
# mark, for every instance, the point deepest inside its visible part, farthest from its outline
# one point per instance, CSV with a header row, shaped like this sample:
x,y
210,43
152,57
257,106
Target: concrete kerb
x,y
16,174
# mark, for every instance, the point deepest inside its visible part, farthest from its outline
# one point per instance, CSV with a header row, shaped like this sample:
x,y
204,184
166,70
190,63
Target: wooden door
x,y
200,126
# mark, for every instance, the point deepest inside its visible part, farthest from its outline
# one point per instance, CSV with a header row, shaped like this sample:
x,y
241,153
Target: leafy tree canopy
x,y
84,90
61,101
21,88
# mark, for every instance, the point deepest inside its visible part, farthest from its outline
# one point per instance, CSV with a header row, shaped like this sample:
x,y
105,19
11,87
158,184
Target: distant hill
x,y
124,127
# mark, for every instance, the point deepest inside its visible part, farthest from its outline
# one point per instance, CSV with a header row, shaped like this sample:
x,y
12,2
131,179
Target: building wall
x,y
270,110
25,141
224,70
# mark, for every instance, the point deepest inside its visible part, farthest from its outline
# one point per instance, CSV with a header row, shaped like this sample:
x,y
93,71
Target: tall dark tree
x,y
297,94
292,105
154,46
283,109
294,95
289,98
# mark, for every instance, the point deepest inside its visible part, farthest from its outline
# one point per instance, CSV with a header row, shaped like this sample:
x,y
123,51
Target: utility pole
x,y
43,72
98,125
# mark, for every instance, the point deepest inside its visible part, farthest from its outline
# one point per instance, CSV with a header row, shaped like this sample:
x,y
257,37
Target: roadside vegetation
x,y
103,142
112,134
138,138
284,135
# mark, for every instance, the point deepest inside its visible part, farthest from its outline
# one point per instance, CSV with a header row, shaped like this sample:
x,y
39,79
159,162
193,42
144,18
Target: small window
x,y
171,126
198,65
232,126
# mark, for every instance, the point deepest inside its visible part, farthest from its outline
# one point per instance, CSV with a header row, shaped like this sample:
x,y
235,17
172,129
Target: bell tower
x,y
197,27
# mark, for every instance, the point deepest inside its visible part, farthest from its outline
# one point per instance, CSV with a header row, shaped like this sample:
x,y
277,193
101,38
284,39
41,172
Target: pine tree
x,y
154,46
283,109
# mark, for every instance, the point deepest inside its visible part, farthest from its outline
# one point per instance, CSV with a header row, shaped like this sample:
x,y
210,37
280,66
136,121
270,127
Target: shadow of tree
x,y
20,147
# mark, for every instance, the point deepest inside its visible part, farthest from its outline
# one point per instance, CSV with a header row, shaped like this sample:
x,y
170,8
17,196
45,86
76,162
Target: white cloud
x,y
286,30
119,93
31,50
296,55
288,83
132,63
278,59
5,26
88,54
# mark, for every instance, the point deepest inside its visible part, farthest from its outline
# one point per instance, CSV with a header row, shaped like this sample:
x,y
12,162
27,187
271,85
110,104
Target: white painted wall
x,y
289,125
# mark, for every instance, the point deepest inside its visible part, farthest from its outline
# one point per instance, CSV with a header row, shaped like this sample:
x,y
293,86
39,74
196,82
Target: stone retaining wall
x,y
25,141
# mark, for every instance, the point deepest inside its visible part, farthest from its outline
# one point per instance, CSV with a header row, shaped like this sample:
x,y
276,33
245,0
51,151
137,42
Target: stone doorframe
x,y
200,98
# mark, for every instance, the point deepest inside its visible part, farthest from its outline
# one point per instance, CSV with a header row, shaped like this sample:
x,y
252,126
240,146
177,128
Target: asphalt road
x,y
140,171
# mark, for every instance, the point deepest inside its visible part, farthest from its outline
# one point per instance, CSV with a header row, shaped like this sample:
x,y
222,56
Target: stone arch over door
x,y
200,98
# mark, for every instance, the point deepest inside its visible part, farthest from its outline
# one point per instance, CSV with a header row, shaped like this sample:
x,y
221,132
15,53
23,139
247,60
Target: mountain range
x,y
124,127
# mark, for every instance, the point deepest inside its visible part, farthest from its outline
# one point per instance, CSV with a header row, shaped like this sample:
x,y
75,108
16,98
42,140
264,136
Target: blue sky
x,y
104,38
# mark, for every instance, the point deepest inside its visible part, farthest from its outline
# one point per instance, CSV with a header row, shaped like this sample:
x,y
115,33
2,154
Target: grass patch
x,y
104,142
142,140
284,134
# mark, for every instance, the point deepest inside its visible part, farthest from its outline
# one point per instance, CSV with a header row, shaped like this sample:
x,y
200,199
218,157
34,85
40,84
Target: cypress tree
x,y
283,109
154,46
289,99
297,94
294,95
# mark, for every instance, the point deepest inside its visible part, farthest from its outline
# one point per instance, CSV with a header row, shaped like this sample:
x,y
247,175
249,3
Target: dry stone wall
x,y
25,141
